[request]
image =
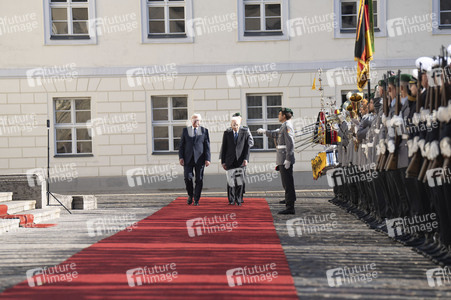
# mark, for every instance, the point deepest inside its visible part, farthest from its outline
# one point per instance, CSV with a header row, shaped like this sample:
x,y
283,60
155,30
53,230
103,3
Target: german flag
x,y
364,43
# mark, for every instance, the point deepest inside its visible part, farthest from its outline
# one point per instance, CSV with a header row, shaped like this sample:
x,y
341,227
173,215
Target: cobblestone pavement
x,y
311,250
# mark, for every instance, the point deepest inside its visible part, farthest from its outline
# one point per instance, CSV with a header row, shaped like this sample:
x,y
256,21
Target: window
x,y
71,129
166,20
263,112
68,22
169,115
347,12
263,19
445,14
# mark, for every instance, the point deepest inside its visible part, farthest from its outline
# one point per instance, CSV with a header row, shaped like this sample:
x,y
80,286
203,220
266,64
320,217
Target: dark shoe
x,y
230,202
242,201
238,202
190,200
282,202
288,211
196,202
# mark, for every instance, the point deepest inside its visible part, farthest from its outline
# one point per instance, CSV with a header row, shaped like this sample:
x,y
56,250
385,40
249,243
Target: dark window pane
x,y
445,18
180,114
159,102
445,5
59,28
374,7
252,24
64,147
64,134
179,102
82,104
61,104
272,112
258,142
176,144
271,143
160,132
274,100
348,8
156,27
348,22
272,10
176,26
252,11
273,24
83,116
79,1
161,145
176,13
82,134
156,13
80,27
84,147
58,1
255,113
63,117
59,14
160,115
80,14
177,131
254,100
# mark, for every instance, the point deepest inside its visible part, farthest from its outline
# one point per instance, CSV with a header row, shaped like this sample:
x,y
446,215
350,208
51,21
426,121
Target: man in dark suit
x,y
234,157
194,154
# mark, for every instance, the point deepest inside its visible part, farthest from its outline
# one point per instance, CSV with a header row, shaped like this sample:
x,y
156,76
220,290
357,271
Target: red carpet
x,y
182,267
26,220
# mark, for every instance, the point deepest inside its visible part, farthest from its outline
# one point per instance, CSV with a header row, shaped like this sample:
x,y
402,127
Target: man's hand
x,y
207,163
182,162
224,167
244,163
287,164
261,131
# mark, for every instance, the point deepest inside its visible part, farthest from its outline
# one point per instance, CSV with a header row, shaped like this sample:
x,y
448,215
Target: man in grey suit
x,y
285,156
234,158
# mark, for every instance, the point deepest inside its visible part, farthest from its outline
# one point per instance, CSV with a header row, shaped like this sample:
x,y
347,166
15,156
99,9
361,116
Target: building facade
x,y
118,80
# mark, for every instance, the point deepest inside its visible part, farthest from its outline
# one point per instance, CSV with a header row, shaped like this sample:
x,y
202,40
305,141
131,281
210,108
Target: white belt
x,y
282,147
370,144
405,136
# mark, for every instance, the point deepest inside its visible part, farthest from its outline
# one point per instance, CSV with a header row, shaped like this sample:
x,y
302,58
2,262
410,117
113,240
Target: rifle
x,y
414,166
392,161
427,164
383,156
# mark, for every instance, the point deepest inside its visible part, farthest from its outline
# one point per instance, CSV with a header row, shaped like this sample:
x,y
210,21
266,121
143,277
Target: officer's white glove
x,y
261,131
287,164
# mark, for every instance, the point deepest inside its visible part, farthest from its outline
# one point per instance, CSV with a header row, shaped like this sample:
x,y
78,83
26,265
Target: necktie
x,y
236,136
195,133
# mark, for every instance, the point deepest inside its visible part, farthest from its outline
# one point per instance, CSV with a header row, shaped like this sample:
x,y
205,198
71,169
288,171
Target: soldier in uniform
x,y
285,156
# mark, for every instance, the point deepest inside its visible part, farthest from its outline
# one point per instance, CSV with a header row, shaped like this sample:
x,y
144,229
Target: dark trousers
x,y
198,169
235,188
288,185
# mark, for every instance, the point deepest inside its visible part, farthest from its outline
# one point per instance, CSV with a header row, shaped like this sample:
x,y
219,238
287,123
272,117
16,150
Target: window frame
x,y
89,39
380,31
73,126
284,14
175,38
264,122
170,123
436,19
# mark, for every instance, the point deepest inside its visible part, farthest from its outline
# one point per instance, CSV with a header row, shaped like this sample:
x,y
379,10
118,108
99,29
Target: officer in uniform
x,y
285,156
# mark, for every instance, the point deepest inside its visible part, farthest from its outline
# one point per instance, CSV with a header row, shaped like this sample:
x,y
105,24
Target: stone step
x,y
44,214
8,225
6,196
15,207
